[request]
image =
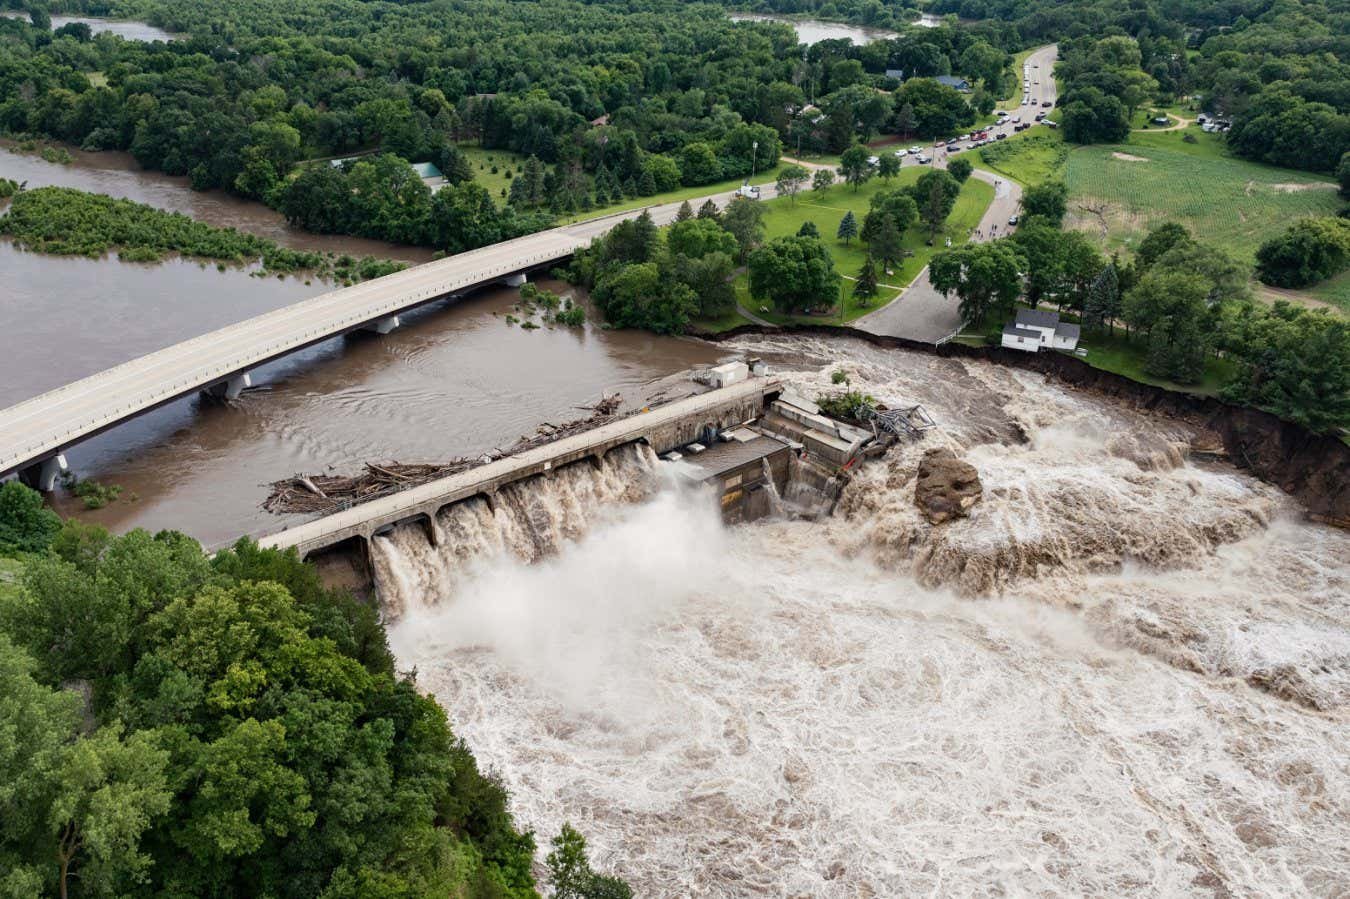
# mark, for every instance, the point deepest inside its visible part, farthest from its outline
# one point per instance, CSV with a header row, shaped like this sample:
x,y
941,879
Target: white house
x,y
1035,328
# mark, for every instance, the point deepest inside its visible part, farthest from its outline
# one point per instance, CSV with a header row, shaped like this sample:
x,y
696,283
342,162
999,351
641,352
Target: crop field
x,y
1119,192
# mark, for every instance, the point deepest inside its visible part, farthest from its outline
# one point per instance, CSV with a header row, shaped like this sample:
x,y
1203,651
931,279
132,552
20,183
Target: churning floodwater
x,y
1126,673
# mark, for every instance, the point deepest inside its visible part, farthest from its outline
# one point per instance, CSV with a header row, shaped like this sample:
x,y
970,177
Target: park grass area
x,y
784,218
1028,158
1335,291
484,162
724,322
674,196
1119,192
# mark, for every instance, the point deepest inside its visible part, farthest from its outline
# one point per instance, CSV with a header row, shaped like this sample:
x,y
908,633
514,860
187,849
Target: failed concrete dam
x,y
755,451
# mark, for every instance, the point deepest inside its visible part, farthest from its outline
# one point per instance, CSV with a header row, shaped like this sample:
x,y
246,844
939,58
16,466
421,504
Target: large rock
x,y
946,486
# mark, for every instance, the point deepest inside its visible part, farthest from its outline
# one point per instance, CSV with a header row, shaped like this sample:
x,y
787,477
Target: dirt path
x,y
1181,122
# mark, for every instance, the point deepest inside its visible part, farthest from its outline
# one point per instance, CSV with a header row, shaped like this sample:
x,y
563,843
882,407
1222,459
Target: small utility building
x,y
1033,329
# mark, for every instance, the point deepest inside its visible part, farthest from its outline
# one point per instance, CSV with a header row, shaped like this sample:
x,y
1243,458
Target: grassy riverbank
x,y
63,221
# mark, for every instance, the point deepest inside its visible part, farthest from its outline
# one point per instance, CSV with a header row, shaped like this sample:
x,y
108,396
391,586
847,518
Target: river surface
x,y
456,380
132,31
119,175
813,31
1125,674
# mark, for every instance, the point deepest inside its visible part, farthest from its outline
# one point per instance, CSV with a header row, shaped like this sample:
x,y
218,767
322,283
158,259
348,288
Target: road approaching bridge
x,y
35,432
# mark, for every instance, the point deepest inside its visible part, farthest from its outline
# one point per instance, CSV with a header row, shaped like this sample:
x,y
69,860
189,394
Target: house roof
x,y
1068,331
1037,318
952,81
427,170
1011,330
897,74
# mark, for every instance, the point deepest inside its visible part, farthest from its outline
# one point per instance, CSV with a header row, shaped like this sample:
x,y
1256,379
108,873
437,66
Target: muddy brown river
x,y
455,380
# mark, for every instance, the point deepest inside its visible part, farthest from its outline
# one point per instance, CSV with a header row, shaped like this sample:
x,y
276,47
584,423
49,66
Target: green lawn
x,y
1121,355
1335,291
684,193
1119,192
1028,158
784,217
483,163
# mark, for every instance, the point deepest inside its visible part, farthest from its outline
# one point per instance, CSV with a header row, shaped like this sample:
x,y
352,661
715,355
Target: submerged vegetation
x,y
68,222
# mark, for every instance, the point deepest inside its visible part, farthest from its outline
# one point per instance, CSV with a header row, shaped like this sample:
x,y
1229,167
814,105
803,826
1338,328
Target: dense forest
x,y
177,724
1276,70
606,100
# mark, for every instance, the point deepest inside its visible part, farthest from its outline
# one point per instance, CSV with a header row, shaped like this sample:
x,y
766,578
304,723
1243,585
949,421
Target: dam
x,y
756,449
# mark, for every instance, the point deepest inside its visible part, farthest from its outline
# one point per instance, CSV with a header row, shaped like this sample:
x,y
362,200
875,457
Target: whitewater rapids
x,y
1126,673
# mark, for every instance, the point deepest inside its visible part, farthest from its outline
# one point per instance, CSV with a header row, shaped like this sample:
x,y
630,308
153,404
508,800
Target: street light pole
x,y
754,158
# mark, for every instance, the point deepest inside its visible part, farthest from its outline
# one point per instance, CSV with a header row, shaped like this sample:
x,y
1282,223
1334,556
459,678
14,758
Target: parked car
x,y
1052,124
1000,136
1012,220
901,152
1046,104
915,151
1000,113
749,191
873,161
924,160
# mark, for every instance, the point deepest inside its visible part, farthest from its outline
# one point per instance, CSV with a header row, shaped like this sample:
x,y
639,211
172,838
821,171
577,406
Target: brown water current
x,y
1127,672
119,175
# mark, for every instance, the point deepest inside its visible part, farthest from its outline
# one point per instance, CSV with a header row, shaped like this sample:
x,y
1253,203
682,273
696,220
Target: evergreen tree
x,y
809,229
848,227
709,211
866,285
887,244
1102,306
685,213
646,184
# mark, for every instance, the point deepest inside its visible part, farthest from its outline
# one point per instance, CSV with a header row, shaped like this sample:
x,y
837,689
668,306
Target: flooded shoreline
x,y
128,29
117,174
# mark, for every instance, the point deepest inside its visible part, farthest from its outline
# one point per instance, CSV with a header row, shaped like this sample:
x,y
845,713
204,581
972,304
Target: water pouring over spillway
x,y
1126,672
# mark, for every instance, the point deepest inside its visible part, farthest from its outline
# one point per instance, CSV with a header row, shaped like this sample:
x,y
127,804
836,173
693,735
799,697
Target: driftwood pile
x,y
324,494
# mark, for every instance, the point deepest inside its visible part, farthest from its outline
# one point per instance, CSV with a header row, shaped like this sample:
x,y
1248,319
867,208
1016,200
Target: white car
x,y
901,152
915,151
874,161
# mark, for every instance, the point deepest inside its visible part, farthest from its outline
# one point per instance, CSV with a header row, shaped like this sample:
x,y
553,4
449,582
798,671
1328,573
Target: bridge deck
x,y
39,428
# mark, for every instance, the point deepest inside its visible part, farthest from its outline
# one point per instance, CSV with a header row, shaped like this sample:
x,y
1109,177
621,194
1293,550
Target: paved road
x,y
921,312
49,423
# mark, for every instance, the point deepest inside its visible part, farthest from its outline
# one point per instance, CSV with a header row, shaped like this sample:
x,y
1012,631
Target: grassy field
x,y
1119,192
483,163
1027,158
784,218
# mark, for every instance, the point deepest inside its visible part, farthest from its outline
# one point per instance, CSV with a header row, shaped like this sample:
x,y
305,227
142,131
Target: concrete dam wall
x,y
527,503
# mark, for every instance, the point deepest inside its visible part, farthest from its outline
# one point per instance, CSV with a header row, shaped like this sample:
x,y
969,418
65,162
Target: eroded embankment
x,y
1313,468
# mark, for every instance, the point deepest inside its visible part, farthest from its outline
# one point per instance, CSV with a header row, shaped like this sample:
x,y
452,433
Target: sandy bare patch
x,y
1129,157
1292,188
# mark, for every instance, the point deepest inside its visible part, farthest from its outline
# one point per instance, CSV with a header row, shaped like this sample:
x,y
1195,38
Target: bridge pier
x,y
382,325
515,280
231,388
42,476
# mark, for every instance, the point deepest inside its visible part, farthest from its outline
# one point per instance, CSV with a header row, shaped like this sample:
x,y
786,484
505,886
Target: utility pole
x,y
754,157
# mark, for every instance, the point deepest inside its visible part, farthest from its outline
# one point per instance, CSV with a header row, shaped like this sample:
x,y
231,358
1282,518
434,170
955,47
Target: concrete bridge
x,y
35,433
664,428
